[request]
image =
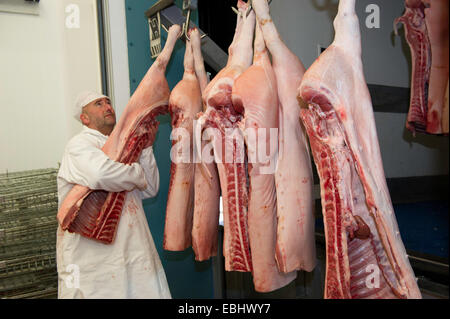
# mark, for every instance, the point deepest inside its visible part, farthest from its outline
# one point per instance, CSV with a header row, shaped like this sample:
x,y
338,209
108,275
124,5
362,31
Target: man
x,y
129,267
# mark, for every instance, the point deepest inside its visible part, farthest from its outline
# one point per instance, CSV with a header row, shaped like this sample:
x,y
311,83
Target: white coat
x,y
130,267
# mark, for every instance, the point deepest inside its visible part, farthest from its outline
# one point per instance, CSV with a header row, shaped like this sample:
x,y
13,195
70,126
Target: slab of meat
x,y
255,95
417,38
95,213
207,187
294,182
229,152
184,104
436,18
426,31
365,254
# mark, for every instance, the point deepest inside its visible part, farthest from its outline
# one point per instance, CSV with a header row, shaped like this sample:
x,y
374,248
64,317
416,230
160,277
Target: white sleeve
x,y
148,163
89,166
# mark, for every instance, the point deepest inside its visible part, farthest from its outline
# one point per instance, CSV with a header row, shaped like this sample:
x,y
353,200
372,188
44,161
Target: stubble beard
x,y
106,124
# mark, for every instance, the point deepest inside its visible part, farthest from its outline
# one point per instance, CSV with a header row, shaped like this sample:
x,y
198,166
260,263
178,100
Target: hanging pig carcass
x,y
295,249
229,150
255,96
365,254
427,33
207,187
184,104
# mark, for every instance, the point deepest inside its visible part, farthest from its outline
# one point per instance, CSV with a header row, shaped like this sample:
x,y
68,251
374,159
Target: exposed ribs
x,y
233,182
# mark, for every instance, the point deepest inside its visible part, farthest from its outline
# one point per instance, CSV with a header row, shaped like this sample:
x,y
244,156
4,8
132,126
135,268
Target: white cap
x,y
83,99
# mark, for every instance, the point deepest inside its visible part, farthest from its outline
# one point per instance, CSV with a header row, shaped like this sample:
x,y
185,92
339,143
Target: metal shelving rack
x,y
28,207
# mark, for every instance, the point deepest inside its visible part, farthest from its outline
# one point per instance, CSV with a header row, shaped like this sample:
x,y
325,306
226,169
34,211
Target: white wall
x,y
305,24
117,52
43,66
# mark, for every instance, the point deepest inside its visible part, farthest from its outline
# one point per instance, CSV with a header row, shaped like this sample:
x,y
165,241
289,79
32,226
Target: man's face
x,y
99,115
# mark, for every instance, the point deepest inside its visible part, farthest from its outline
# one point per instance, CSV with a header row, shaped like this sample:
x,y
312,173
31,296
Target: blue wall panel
x,y
187,278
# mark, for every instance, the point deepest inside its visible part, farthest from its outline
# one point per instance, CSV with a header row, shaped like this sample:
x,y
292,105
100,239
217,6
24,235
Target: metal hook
x,y
185,28
235,10
250,8
186,25
182,31
164,27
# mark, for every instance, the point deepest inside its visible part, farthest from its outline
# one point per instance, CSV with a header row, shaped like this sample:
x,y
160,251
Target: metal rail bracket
x,y
170,14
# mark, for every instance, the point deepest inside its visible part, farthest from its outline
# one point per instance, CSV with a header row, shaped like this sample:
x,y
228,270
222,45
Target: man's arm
x,y
89,166
148,163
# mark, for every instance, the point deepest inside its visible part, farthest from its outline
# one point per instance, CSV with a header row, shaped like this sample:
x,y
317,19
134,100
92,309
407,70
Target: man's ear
x,y
84,119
